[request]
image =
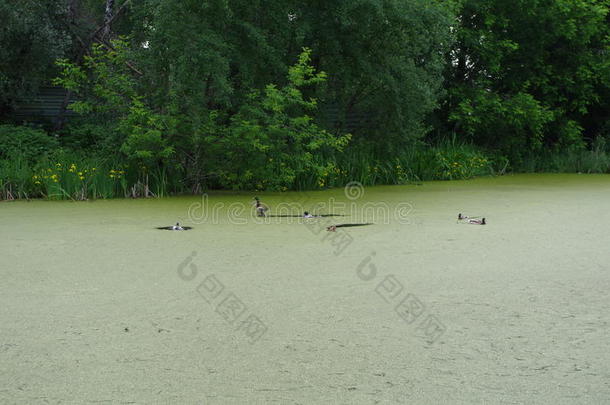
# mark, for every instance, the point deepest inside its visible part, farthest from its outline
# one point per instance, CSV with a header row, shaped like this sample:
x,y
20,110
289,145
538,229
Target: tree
x,y
384,59
524,75
272,140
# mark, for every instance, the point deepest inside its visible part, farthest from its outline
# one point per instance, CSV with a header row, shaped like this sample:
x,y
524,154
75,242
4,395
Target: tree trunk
x,y
104,31
108,17
73,8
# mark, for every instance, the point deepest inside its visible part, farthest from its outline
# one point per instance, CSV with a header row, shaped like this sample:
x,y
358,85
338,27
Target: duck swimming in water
x,y
477,221
176,227
463,217
333,228
466,218
306,214
261,208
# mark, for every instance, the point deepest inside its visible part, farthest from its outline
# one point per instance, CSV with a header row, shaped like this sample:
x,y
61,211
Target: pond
x,y
98,305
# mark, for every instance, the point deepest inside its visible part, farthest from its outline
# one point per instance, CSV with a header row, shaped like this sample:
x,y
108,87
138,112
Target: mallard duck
x,y
307,215
463,217
333,228
261,208
477,221
176,227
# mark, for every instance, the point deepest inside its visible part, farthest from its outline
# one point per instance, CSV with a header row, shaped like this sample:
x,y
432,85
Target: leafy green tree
x,y
524,75
202,56
108,90
384,58
272,140
385,63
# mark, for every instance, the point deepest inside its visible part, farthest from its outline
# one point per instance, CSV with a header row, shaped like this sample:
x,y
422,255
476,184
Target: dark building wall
x,y
45,107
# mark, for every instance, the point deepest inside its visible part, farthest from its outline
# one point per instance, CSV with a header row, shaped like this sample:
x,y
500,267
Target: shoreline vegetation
x,y
157,98
68,175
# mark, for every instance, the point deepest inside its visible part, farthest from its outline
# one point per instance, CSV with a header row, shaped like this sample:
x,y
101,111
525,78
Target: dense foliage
x,y
530,75
32,36
182,95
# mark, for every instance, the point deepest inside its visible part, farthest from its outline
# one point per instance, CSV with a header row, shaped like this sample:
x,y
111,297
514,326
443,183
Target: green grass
x,y
71,176
74,176
579,161
448,160
15,179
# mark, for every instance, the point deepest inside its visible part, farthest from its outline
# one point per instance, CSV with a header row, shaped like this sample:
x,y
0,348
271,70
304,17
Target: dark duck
x,y
333,228
261,209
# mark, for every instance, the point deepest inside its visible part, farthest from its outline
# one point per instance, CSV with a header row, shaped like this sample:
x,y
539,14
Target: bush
x,y
272,141
448,160
30,143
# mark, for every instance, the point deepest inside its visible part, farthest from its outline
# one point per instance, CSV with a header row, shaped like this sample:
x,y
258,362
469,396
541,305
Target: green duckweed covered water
x,y
98,306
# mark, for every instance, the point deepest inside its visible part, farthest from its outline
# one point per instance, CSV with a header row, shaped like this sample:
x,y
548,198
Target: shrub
x,y
30,143
272,141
